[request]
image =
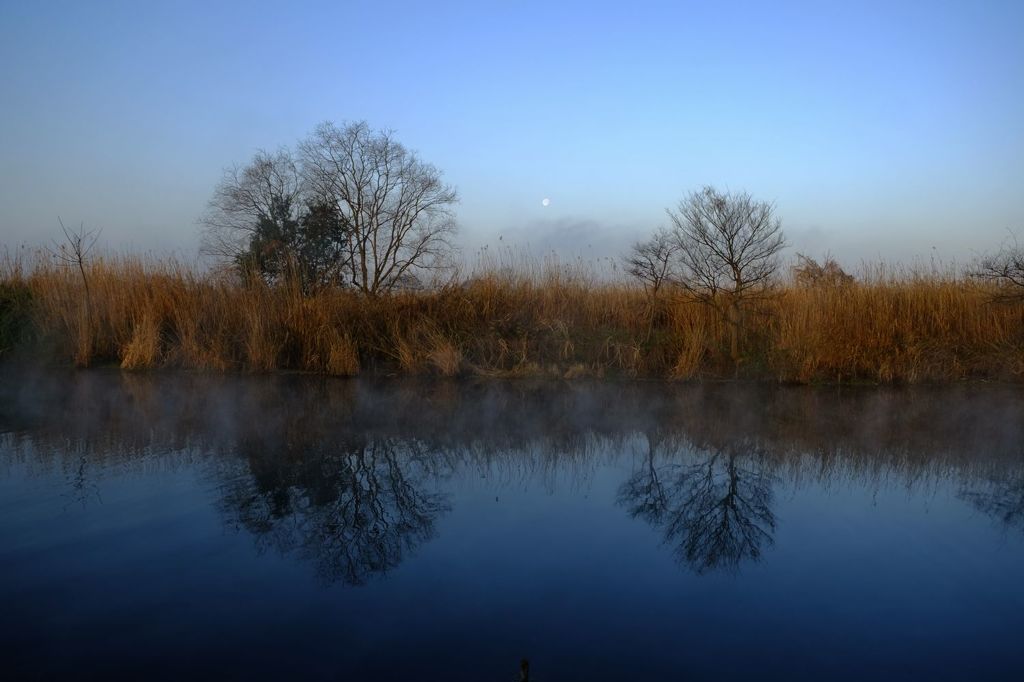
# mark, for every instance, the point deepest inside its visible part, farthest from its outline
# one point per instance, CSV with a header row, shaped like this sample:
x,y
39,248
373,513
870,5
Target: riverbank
x,y
885,327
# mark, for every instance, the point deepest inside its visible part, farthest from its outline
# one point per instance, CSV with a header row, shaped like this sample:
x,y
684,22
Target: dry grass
x,y
551,320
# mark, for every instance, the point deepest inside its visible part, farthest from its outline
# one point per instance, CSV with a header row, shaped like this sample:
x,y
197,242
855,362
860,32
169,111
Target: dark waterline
x,y
243,527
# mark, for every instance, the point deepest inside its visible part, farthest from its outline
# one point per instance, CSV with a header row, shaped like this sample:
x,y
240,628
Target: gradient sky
x,y
879,129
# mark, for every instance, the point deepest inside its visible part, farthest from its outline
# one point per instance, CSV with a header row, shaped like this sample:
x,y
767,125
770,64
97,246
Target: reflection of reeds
x,y
885,327
551,436
353,475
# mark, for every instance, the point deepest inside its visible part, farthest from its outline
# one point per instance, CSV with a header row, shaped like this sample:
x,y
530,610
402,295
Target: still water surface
x,y
173,526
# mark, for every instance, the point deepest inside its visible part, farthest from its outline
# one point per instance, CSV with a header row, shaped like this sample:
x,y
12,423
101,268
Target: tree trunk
x,y
735,329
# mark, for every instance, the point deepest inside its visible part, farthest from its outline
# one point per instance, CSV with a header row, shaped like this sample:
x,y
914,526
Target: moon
x,y
545,202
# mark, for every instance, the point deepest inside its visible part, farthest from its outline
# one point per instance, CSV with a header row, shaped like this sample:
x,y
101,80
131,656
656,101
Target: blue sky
x,y
879,129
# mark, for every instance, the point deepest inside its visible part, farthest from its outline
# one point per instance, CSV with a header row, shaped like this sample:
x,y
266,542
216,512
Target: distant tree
x,y
397,209
654,261
1005,269
807,272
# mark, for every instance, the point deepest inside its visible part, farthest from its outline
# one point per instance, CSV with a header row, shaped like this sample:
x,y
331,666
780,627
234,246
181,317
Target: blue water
x,y
173,526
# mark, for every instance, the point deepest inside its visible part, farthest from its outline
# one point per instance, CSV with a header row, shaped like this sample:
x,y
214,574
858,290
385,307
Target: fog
x,y
345,473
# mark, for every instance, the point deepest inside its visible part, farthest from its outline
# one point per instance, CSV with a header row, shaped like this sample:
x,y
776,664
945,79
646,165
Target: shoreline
x,y
16,368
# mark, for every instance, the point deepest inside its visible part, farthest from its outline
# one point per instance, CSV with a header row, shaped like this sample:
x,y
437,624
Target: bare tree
x,y
73,253
654,261
266,191
728,252
1005,268
397,209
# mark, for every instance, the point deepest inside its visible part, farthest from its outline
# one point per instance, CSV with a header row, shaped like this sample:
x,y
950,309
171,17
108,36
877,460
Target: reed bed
x,y
887,326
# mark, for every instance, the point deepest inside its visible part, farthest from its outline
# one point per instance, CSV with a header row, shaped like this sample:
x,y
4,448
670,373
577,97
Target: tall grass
x,y
540,319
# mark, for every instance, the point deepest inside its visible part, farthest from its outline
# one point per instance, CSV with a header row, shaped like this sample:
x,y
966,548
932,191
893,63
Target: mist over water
x,y
159,525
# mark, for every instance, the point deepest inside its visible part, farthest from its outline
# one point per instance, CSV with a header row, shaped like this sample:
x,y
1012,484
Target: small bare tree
x,y
1004,268
398,211
73,253
728,252
653,261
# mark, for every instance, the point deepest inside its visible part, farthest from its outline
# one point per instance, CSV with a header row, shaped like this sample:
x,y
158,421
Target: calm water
x,y
184,526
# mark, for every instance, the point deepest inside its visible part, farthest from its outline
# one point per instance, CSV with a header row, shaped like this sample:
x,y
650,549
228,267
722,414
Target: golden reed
x,y
887,326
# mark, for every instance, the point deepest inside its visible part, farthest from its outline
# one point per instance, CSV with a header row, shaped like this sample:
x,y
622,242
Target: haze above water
x,y
158,526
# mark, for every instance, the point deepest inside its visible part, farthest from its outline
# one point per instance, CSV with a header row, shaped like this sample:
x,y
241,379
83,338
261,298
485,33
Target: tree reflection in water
x,y
353,509
712,506
346,474
1002,499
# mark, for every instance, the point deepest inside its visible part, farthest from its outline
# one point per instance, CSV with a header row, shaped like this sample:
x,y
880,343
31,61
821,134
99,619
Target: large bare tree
x,y
398,211
728,243
724,251
266,191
